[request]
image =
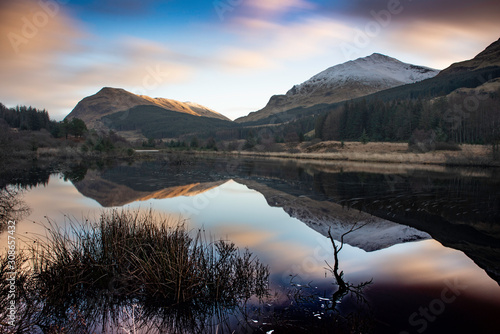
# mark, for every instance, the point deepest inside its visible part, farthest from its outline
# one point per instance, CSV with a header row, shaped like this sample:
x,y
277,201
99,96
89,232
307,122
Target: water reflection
x,y
12,206
308,308
99,276
251,202
130,273
458,207
25,175
344,287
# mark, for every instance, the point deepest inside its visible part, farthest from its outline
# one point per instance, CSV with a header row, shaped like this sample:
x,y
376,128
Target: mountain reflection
x,y
307,308
250,202
457,207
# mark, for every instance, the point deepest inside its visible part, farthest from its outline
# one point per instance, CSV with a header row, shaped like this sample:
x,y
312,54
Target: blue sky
x,y
229,55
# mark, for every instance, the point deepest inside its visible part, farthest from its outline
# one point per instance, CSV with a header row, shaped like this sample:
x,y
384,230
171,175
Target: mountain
x,y
488,58
109,101
156,122
343,82
461,103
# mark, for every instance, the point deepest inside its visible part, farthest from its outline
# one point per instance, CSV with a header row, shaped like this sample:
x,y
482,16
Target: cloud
x,y
265,44
433,32
275,7
121,7
272,32
48,60
446,11
440,43
33,40
244,59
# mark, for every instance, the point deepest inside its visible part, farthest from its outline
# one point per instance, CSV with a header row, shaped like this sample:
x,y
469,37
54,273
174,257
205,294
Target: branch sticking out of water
x,y
344,287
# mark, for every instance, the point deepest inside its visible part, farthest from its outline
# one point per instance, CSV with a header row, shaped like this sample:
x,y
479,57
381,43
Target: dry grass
x,y
470,155
83,277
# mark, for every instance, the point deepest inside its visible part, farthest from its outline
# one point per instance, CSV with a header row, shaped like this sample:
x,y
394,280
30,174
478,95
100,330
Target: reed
x,y
85,275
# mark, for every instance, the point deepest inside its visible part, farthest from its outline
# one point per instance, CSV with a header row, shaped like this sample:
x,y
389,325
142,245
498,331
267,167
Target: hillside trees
x,y
460,118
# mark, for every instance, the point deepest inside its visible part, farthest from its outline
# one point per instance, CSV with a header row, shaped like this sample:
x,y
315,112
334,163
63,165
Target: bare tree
x,y
344,287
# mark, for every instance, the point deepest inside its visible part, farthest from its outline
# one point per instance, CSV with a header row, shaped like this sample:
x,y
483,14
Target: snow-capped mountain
x,y
346,81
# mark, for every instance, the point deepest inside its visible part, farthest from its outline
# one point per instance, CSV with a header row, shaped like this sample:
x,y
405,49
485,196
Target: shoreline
x,y
469,156
380,153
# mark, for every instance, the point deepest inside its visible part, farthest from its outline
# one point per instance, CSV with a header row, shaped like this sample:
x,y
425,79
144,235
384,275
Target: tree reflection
x,y
12,206
133,273
309,310
344,287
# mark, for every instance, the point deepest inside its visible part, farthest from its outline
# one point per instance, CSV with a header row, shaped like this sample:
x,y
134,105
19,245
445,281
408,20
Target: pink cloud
x,y
277,7
440,43
267,44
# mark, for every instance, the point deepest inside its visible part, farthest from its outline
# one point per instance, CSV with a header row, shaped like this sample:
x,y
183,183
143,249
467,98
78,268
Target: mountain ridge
x,y
345,81
487,58
111,100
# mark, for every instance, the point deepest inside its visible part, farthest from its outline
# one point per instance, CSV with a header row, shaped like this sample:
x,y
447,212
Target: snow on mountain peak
x,y
376,69
343,82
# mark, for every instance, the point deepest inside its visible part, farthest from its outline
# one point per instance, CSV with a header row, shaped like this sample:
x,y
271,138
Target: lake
x,y
418,247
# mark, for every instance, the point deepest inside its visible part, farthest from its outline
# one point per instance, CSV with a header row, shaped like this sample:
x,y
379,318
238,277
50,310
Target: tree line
x,y
27,118
459,118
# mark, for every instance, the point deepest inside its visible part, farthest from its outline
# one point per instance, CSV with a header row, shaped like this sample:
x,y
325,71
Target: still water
x,y
426,239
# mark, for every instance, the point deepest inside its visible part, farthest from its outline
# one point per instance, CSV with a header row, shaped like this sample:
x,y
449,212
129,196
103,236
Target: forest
x,y
26,118
457,118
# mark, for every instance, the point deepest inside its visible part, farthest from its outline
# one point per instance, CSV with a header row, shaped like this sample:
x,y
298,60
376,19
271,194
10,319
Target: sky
x,y
228,55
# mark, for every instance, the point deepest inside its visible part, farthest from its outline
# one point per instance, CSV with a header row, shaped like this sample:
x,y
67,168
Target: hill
x,y
487,58
156,122
112,100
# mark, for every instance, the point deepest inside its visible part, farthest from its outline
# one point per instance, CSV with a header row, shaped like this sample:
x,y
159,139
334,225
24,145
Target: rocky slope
x,y
346,81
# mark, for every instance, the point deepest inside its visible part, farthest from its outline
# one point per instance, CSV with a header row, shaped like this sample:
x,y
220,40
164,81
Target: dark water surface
x,y
426,238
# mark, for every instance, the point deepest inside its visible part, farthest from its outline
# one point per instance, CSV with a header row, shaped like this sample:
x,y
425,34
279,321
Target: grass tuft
x,y
90,272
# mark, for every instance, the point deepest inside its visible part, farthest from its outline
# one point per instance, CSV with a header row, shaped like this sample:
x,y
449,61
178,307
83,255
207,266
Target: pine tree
x,y
364,137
